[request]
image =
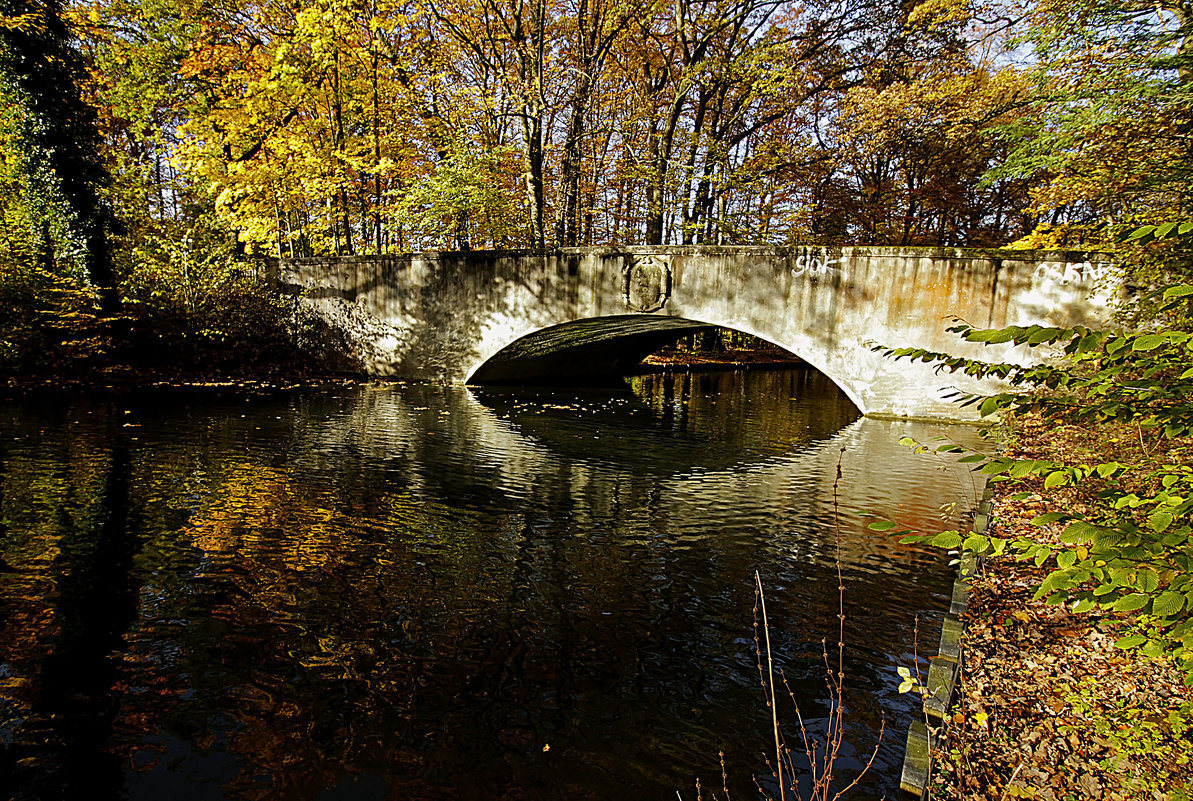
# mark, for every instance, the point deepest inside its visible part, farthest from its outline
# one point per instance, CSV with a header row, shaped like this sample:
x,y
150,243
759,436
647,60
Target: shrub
x,y
1133,551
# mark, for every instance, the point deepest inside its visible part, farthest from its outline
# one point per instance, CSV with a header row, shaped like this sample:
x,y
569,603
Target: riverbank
x,y
724,359
121,377
1046,706
128,380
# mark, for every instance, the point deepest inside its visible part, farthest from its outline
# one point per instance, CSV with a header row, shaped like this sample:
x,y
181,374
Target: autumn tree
x,y
592,29
50,146
916,138
342,126
1108,131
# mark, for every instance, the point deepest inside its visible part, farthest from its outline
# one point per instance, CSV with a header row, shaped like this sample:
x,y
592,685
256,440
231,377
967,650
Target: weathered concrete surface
x,y
443,316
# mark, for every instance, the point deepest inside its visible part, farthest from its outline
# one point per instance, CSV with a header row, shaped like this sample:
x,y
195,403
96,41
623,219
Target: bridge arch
x,y
600,348
443,316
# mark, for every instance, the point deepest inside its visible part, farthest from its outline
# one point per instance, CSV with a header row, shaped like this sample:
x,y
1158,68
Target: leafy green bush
x,y
208,317
1133,551
1138,737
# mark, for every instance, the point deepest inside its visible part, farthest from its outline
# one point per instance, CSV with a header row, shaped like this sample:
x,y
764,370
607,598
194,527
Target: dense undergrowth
x,y
1132,550
1079,641
227,322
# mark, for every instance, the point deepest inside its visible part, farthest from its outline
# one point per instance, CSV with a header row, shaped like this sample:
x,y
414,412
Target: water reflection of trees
x,y
401,583
69,599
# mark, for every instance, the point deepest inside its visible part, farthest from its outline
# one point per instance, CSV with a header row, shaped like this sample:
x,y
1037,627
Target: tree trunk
x,y
660,158
567,231
532,163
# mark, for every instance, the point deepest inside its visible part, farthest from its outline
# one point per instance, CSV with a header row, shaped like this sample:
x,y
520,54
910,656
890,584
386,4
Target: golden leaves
x,y
32,22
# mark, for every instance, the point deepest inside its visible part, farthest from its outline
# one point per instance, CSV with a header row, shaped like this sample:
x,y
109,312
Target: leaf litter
x,y
1046,707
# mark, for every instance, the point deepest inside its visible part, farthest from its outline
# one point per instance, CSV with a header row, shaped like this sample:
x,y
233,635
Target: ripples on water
x,y
418,592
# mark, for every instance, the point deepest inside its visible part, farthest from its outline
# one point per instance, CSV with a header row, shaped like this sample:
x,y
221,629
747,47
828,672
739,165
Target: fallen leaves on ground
x,y
1046,706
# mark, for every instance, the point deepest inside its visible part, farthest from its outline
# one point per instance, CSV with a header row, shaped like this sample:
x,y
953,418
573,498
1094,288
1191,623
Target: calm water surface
x,y
422,592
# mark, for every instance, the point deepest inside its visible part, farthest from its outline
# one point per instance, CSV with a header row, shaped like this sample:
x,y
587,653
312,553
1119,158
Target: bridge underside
x,y
590,351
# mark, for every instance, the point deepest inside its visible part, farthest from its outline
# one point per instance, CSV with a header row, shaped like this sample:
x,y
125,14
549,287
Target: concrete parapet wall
x,y
442,315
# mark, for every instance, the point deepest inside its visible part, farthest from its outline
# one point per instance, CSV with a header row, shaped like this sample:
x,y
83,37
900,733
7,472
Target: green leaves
x,y
946,539
1141,378
1147,342
1131,551
978,544
1160,521
1168,604
49,142
1162,231
1055,479
989,406
908,682
1130,603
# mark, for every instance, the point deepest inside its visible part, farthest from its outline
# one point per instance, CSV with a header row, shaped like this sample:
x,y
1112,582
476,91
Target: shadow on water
x,y
404,592
92,605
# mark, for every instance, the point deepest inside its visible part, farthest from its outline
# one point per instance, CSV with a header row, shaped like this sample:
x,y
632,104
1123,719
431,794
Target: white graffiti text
x,y
1065,273
814,265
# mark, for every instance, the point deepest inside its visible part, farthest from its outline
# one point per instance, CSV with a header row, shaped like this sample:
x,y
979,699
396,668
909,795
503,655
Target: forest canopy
x,y
301,127
362,126
149,146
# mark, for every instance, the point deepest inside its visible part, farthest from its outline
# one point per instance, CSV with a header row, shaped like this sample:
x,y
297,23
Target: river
x,y
411,591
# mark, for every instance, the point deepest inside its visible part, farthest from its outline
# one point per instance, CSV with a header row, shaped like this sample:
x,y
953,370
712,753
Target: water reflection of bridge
x,y
397,581
772,437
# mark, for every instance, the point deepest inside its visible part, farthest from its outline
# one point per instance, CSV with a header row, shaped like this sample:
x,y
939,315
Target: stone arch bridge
x,y
586,313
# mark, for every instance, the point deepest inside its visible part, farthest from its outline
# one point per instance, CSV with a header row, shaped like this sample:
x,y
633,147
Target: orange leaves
x,y
944,103
318,122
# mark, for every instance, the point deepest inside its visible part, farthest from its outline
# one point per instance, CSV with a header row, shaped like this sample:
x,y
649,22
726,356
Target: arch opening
x,y
604,350
720,348
596,349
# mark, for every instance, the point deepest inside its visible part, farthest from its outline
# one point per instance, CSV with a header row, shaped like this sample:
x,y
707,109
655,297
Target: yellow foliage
x,y
933,14
32,22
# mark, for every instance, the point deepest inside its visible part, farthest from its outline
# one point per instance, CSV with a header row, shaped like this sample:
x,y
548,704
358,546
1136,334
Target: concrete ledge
x,y
960,600
942,677
943,670
915,777
683,250
950,639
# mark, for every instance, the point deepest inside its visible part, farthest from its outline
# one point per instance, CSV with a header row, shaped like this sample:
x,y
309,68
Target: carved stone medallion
x,y
647,283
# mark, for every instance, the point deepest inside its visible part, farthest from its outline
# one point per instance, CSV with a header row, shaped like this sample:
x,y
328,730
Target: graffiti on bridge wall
x,y
1081,272
1059,272
815,265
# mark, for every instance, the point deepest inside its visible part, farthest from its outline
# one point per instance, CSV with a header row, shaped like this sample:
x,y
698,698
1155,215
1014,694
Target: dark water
x,y
417,592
